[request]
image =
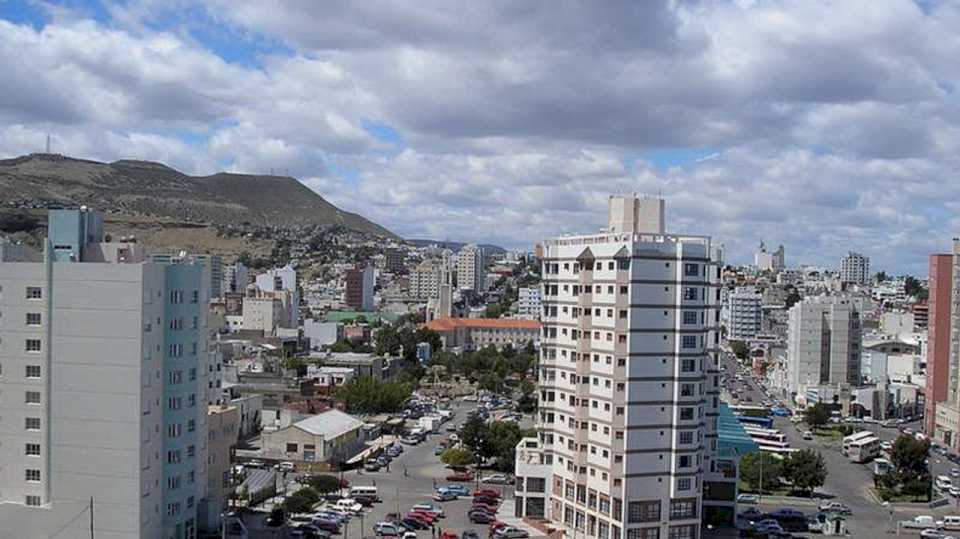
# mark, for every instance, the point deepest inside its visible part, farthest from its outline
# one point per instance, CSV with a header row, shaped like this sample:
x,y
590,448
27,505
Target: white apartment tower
x,y
529,303
470,268
103,375
628,379
855,268
823,343
745,306
427,278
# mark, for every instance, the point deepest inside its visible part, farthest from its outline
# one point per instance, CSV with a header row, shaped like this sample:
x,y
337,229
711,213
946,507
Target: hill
x,y
148,190
488,248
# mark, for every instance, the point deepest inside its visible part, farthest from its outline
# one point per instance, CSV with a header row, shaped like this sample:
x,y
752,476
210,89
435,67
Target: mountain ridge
x,y
155,189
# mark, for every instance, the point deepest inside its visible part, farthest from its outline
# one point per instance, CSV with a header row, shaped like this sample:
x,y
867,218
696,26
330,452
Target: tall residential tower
x,y
628,380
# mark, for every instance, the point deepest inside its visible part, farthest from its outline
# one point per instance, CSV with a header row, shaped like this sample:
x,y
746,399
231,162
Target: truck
x,y
921,522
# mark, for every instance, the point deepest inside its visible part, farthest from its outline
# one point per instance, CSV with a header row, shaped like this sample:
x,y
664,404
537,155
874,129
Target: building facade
x,y
528,303
104,379
236,277
426,279
393,260
942,410
470,268
766,261
223,429
855,268
746,314
628,376
823,343
358,293
477,333
278,279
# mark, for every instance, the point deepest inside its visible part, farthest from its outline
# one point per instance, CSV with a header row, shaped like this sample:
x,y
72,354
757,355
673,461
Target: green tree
x,y
494,310
342,346
806,469
527,403
457,457
750,470
909,457
740,349
301,501
367,395
324,483
817,415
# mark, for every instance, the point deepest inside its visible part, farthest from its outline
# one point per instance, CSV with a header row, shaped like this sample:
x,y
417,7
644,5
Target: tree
x,y
301,501
457,457
473,432
367,395
817,415
750,470
806,469
527,403
494,310
277,516
324,483
881,276
740,349
793,297
909,456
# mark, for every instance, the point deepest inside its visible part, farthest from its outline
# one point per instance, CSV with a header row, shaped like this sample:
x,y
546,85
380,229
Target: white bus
x,y
363,491
861,447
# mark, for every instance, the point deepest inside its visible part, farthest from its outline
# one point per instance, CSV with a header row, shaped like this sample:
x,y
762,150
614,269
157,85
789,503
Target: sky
x,y
825,126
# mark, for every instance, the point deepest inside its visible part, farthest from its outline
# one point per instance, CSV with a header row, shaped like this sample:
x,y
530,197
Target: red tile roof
x,y
447,324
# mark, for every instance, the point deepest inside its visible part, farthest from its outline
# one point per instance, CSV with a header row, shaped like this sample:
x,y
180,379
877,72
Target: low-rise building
x,y
476,333
223,428
327,437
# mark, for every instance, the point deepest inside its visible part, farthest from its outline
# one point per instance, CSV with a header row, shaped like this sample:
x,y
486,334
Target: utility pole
x,y
760,496
91,497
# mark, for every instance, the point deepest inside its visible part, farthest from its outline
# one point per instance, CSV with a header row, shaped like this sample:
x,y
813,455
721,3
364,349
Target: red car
x,y
447,534
426,518
496,525
460,476
488,492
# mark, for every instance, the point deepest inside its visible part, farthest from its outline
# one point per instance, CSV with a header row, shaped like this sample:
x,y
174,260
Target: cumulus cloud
x,y
822,125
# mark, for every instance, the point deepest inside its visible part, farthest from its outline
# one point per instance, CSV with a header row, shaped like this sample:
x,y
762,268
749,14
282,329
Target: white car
x,y
496,479
349,504
385,528
429,508
286,467
511,532
748,498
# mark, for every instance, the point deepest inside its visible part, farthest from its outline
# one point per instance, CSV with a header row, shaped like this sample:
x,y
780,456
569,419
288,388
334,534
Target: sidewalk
x,y
507,510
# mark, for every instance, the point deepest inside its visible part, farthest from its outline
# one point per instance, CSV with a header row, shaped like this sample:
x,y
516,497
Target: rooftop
x,y
329,424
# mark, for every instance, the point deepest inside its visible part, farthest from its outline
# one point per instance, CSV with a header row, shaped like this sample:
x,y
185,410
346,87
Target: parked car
x,y
511,532
487,500
414,524
834,507
386,528
496,479
489,492
429,508
460,476
458,489
751,514
807,435
426,518
371,466
469,534
286,467
480,517
444,495
748,498
255,463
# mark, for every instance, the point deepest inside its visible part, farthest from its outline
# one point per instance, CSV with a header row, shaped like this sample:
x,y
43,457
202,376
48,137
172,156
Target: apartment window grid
x,y
34,292
687,531
32,423
32,397
32,475
33,371
643,533
683,509
643,511
32,450
32,345
32,500
34,319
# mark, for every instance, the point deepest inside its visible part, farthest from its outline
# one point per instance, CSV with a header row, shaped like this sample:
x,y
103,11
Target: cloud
x,y
825,126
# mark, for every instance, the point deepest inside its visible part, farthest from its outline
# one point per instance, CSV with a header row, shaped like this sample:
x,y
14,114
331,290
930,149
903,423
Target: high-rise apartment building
x,y
358,292
823,343
214,263
284,278
855,268
393,260
427,278
529,303
745,307
628,380
470,268
236,277
104,379
767,261
942,409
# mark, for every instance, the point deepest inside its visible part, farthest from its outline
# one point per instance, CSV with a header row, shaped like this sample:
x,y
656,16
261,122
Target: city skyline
x,y
825,127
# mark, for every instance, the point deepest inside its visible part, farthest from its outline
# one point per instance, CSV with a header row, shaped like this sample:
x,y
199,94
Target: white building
x,y
327,437
823,343
104,380
765,261
284,278
235,278
628,377
745,306
528,301
426,279
855,268
470,268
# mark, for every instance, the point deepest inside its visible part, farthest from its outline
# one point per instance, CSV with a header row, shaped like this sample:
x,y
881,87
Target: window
x,y
32,423
32,501
191,425
688,365
623,314
32,450
33,475
623,289
683,509
686,414
686,390
686,437
643,533
691,270
292,448
32,397
34,292
683,483
689,341
33,345
689,293
33,371
33,319
643,511
686,531
685,461
689,317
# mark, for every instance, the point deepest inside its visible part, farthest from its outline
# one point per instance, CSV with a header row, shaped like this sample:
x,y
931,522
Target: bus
x,y
862,446
762,422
